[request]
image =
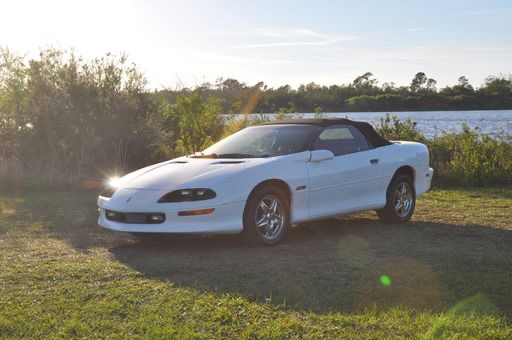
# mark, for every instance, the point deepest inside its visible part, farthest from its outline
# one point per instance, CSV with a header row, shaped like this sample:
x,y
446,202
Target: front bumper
x,y
226,218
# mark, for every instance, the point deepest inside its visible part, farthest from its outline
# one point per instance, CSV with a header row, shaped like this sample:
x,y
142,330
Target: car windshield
x,y
262,141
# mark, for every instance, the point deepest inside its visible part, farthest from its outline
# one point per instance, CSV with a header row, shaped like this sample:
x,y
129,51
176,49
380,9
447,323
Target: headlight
x,y
107,193
112,183
188,195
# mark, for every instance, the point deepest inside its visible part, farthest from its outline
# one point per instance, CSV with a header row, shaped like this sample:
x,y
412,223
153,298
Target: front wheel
x,y
400,201
266,216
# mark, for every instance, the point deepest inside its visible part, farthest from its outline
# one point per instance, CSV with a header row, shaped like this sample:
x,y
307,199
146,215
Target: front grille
x,y
135,218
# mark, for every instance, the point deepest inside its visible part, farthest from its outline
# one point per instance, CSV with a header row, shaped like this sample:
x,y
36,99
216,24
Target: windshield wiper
x,y
202,155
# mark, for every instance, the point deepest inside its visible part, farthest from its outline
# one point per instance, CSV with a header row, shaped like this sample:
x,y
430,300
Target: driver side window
x,y
341,140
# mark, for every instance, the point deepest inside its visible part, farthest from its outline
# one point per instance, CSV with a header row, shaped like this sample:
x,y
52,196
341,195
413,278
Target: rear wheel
x,y
400,201
266,216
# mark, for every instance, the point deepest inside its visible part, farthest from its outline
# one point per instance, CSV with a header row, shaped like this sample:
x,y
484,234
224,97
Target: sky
x,y
186,43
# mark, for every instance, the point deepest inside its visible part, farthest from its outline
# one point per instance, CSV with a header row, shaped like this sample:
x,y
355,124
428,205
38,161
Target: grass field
x,y
448,273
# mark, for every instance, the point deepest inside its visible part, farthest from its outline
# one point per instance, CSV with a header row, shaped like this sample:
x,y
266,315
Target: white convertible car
x,y
264,178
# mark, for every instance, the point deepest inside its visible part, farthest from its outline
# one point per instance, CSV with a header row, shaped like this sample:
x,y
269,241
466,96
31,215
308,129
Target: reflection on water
x,y
431,123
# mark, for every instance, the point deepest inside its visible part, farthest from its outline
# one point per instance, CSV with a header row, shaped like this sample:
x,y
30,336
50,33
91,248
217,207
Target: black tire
x,y
274,222
400,201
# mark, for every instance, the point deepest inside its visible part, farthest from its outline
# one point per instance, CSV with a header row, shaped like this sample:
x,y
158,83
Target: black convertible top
x,y
365,128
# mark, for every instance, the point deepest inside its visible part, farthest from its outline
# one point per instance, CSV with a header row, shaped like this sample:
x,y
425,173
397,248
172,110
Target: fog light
x,y
156,218
196,212
110,213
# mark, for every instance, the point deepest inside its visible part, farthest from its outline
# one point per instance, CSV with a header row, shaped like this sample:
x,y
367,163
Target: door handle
x,y
374,161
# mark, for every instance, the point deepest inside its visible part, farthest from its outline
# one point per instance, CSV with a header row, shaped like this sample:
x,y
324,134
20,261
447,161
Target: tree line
x,y
66,121
363,94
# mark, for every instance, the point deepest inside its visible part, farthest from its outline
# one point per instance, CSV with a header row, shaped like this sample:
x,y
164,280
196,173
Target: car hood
x,y
186,172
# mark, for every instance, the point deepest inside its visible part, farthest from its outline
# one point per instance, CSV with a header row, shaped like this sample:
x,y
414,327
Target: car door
x,y
352,180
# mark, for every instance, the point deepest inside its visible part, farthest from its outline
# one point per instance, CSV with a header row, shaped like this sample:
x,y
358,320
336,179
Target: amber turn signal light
x,y
196,212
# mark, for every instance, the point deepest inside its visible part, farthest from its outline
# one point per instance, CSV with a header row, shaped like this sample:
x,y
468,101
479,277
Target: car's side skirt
x,y
338,214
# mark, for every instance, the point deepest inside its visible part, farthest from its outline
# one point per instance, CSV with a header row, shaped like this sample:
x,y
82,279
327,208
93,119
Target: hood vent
x,y
178,162
227,162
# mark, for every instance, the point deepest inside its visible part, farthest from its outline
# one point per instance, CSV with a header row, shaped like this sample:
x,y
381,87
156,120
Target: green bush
x,y
471,157
464,158
393,128
200,122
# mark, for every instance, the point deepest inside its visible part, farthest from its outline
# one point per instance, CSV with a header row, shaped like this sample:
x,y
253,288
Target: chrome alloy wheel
x,y
403,199
270,217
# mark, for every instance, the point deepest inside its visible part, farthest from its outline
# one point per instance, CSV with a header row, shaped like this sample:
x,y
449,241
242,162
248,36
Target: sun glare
x,y
113,182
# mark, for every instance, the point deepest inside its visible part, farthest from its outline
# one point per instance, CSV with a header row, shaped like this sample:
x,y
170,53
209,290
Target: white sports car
x,y
263,178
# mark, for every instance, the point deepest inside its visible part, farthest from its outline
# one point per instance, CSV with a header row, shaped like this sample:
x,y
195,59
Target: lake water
x,y
431,123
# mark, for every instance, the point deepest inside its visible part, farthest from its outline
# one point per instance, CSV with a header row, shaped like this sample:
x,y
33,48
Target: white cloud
x,y
297,43
489,11
207,57
288,33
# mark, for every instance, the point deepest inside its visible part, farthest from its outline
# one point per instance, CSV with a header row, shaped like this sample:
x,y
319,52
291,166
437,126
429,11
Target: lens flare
x,y
385,280
89,184
113,182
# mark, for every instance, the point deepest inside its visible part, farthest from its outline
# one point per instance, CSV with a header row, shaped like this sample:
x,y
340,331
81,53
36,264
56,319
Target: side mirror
x,y
321,155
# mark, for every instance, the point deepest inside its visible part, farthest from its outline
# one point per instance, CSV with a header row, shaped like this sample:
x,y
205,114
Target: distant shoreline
x,y
384,112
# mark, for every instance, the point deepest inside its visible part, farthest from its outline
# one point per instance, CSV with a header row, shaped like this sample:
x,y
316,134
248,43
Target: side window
x,y
341,140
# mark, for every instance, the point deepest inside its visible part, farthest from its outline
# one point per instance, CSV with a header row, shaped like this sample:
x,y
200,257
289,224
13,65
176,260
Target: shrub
x,y
393,128
199,122
469,157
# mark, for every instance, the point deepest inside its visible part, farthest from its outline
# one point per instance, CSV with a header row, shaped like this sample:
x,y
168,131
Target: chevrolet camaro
x,y
264,178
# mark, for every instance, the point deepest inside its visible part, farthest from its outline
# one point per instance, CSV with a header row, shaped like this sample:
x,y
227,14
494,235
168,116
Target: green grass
x,y
447,273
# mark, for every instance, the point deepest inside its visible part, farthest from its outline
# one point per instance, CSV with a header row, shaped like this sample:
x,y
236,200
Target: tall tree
x,y
419,80
365,81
